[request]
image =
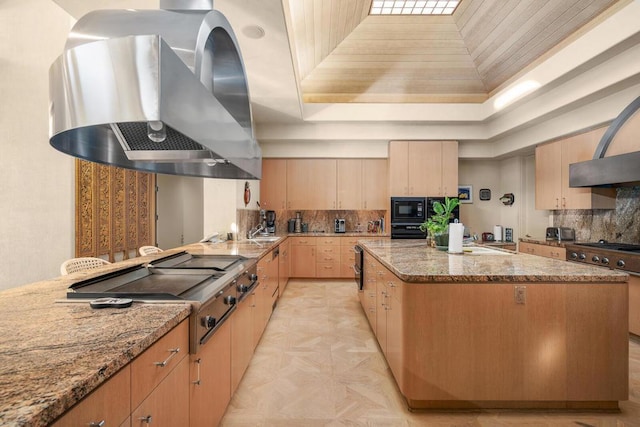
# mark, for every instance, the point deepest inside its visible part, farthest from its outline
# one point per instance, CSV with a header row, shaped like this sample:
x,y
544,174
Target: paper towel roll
x,y
497,233
456,233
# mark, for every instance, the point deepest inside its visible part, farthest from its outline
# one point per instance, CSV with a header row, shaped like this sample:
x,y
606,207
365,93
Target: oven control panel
x,y
618,260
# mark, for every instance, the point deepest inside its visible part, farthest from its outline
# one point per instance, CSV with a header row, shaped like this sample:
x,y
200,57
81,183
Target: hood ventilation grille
x,y
160,91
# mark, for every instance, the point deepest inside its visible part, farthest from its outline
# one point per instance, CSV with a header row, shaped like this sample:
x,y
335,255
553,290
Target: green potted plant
x,y
437,225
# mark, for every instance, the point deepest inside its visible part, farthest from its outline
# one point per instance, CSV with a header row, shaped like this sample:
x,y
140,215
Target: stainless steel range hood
x,y
619,170
160,91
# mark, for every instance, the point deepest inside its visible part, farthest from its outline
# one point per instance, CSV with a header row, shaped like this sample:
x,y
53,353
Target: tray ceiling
x,y
344,55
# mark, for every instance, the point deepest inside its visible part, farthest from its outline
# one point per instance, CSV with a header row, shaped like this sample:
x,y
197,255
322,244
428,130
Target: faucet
x,y
255,230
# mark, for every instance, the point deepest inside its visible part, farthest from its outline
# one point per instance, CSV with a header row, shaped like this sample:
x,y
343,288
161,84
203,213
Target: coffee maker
x,y
271,221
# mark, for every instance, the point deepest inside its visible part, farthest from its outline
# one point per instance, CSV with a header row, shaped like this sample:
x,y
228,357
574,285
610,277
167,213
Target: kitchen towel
x,y
497,233
456,233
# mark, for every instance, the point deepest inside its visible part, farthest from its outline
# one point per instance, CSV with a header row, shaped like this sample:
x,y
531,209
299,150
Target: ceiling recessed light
x,y
253,31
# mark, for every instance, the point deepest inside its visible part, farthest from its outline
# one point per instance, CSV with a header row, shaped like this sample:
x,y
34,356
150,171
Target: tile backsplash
x,y
317,220
619,225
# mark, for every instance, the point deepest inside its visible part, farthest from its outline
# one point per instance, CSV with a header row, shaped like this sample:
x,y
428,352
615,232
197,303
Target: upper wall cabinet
x,y
273,185
325,184
552,174
311,184
423,168
362,184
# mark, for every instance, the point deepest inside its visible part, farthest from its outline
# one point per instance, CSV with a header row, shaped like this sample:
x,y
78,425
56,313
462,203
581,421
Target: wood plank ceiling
x,y
345,55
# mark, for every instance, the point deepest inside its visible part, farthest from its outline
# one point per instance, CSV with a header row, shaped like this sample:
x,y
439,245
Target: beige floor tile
x,y
319,364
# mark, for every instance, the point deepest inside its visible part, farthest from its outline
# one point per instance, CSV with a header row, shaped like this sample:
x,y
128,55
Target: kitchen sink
x,y
480,250
264,239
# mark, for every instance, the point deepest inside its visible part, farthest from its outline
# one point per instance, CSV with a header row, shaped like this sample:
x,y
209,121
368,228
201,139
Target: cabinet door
x,y
349,183
273,185
634,304
311,184
241,341
303,261
211,378
449,168
394,329
549,176
168,404
375,194
109,403
283,267
398,170
425,168
381,315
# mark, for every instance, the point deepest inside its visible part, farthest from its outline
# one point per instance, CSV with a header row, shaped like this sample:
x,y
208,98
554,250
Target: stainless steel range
x,y
620,256
213,284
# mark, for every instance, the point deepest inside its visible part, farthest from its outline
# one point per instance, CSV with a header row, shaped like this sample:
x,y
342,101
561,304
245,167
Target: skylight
x,y
413,7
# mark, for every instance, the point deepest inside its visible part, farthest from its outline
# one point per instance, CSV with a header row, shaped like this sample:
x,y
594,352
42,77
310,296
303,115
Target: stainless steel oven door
x,y
357,267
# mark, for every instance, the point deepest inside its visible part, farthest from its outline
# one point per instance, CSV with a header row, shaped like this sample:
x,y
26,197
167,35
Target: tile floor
x,y
318,364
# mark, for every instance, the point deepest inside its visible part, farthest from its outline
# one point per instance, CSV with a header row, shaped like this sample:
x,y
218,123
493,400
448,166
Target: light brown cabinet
x,y
349,184
634,304
347,256
108,404
303,257
266,292
273,185
552,174
423,168
160,381
168,403
242,339
547,251
210,385
284,265
362,184
328,257
311,184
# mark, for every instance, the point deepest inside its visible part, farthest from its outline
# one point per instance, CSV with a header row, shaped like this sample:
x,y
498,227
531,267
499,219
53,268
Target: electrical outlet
x,y
520,294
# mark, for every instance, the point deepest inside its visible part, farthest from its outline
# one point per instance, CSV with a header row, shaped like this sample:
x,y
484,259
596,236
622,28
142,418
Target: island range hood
x,y
160,91
611,171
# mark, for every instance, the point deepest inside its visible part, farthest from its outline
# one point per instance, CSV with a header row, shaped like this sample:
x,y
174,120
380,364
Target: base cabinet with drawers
x,y
330,257
548,251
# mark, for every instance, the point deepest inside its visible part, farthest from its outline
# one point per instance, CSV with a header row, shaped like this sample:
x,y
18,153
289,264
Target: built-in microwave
x,y
408,210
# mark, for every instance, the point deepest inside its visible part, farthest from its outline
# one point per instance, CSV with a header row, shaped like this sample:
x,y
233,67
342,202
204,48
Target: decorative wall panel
x,y
115,210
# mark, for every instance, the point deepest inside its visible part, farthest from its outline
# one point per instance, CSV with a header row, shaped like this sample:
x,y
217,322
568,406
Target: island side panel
x,y
473,342
598,341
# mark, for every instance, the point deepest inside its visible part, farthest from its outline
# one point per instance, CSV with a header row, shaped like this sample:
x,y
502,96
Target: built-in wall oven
x,y
407,213
357,267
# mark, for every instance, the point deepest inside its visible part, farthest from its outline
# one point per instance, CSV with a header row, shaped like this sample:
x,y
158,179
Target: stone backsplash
x,y
620,225
320,221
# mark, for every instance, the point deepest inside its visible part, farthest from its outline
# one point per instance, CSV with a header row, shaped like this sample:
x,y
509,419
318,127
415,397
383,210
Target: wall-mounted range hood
x,y
160,91
619,170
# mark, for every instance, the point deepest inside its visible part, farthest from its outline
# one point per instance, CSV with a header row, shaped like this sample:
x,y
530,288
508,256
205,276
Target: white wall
x,y
36,181
219,205
513,175
179,209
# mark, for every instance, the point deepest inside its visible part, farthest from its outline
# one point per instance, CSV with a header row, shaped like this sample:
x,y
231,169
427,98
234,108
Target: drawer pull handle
x,y
96,424
197,382
146,419
164,363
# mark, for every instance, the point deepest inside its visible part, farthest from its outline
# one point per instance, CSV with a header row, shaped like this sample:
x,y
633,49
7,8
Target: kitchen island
x,y
497,329
54,352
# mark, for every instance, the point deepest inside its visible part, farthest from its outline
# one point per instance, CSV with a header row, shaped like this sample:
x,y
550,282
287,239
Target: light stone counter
x,y
415,261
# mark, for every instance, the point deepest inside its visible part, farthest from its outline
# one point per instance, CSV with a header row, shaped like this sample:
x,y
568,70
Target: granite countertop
x,y
55,353
415,261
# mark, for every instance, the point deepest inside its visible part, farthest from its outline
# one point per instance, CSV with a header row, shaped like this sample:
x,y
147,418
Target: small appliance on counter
x,y
508,235
560,234
340,225
271,221
298,223
291,225
488,237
